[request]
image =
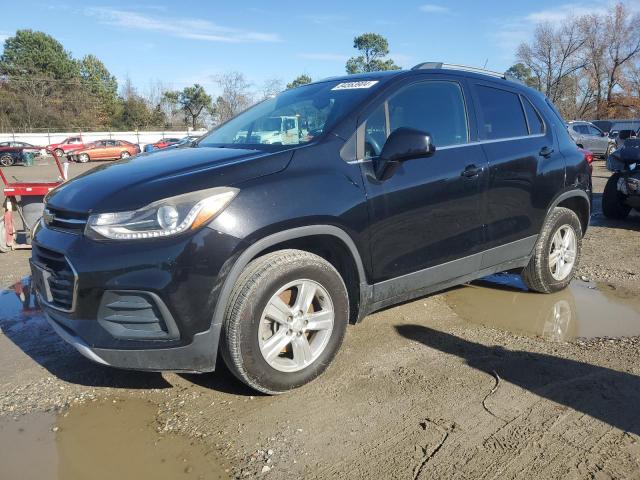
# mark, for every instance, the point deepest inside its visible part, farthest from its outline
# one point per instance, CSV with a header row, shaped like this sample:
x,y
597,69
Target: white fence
x,y
139,137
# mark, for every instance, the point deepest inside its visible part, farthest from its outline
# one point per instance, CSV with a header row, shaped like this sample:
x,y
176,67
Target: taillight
x,y
588,157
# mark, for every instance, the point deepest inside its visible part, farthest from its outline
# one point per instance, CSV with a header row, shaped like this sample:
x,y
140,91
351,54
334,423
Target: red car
x,y
69,143
165,142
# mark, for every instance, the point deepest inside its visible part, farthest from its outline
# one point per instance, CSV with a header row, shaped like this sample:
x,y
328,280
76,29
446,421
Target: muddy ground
x,y
425,390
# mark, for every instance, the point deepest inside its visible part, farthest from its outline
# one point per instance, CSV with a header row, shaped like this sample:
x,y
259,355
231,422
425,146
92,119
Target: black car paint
x,y
417,224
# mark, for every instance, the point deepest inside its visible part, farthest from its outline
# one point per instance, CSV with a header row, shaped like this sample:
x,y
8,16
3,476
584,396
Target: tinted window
x,y
536,125
581,129
502,114
4,144
433,107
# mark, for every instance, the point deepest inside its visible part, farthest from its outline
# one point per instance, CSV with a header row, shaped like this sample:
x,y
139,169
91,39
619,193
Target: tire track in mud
x,y
429,455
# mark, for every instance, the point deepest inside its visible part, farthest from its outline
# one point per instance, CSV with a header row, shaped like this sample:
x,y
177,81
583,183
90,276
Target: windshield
x,y
294,117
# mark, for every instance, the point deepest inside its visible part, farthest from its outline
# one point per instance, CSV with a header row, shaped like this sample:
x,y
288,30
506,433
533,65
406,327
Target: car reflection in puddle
x,y
584,310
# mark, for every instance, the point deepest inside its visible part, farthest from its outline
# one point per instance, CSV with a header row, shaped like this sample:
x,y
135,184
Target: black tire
x,y
537,274
83,158
260,280
59,153
613,201
124,155
3,235
7,160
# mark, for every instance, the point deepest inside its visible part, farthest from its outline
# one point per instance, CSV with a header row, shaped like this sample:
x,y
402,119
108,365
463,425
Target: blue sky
x,y
180,43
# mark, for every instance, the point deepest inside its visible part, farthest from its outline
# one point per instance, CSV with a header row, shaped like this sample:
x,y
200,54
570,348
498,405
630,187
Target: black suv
x,y
312,209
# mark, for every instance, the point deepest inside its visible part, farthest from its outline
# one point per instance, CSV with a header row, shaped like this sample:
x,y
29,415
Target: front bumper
x,y
135,305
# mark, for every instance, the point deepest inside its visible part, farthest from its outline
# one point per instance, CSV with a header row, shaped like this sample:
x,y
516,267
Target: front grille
x,y
61,279
66,221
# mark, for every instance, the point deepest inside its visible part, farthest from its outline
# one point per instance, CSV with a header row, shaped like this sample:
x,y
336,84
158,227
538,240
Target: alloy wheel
x,y
296,325
562,252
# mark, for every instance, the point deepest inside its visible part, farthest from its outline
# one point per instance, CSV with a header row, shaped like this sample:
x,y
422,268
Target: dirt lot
x,y
422,390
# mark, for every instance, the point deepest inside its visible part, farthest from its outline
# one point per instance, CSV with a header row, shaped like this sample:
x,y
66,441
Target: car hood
x,y
135,182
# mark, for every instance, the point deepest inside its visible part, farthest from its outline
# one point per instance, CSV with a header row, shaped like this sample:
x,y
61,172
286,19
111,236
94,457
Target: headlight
x,y
163,218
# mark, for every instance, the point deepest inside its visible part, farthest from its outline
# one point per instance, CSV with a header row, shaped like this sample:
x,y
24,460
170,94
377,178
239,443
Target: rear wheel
x,y
556,254
83,158
613,205
7,160
285,321
59,152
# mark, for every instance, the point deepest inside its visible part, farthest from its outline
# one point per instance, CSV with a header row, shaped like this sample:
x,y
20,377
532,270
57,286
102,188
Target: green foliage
x,y
373,48
299,80
192,100
524,74
37,54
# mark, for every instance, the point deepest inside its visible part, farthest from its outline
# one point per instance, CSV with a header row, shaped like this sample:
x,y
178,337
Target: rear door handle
x,y
471,171
546,152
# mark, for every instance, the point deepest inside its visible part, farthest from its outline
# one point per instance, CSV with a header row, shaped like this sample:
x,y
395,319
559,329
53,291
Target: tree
x,y
101,86
235,96
299,80
373,48
553,55
271,87
192,100
30,53
524,74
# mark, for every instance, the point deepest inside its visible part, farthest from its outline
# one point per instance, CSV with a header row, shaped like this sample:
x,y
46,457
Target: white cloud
x,y
330,57
3,37
190,28
432,8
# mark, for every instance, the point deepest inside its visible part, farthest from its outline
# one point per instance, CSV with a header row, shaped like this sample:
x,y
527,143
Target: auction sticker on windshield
x,y
352,85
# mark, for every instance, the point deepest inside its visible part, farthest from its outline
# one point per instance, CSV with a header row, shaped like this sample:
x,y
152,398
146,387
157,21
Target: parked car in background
x,y
614,125
588,136
182,142
160,144
68,144
104,150
619,137
13,152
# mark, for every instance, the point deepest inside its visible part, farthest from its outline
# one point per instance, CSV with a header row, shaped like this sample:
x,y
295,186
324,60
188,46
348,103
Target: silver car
x,y
588,136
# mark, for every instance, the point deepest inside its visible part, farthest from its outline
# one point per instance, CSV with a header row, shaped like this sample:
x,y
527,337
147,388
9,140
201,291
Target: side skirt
x,y
424,282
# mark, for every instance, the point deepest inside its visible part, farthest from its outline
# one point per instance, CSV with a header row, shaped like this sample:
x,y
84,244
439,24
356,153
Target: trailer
x,y
26,199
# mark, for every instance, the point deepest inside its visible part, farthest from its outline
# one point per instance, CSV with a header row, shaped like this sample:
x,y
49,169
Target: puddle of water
x,y
101,440
584,310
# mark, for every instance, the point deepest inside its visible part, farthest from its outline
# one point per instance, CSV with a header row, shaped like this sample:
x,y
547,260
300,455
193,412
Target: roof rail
x,y
465,68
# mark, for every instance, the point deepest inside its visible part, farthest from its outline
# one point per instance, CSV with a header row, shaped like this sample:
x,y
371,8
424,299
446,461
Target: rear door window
x,y
502,114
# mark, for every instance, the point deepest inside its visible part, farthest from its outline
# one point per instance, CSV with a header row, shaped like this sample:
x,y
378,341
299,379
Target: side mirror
x,y
406,144
403,144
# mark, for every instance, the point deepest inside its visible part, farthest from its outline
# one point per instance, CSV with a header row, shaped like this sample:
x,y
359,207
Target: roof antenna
x,y
485,64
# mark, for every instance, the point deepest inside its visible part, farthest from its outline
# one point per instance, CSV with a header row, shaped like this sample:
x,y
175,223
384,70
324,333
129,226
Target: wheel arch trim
x,y
269,241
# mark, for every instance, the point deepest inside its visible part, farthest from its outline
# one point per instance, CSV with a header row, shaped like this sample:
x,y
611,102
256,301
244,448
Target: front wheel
x,y
124,155
286,318
613,205
83,158
556,254
59,152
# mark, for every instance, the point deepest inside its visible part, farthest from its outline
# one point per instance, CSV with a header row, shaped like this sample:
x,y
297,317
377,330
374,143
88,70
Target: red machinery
x,y
27,199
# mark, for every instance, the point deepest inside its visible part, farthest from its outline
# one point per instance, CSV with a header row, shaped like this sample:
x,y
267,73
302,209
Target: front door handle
x,y
546,152
471,171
